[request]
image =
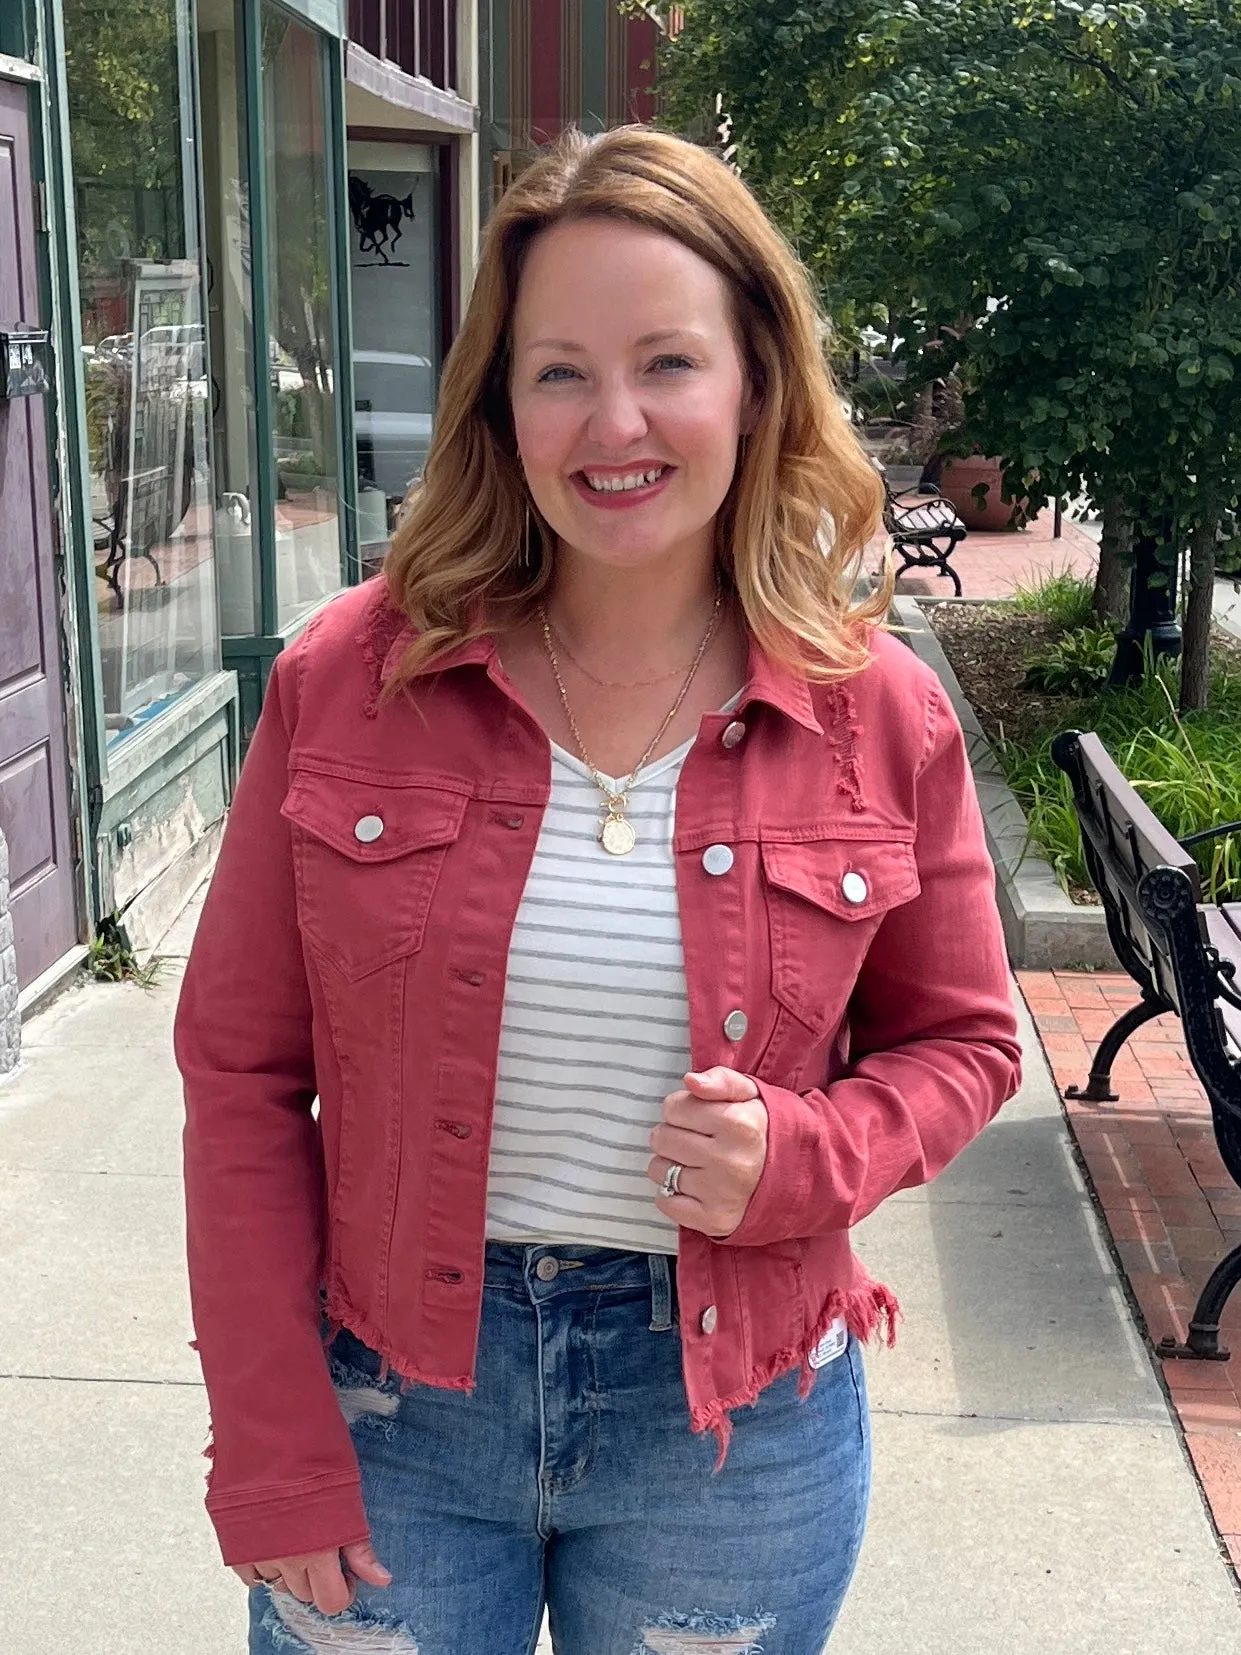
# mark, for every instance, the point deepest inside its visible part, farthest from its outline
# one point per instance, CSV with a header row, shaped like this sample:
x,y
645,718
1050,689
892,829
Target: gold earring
x,y
526,560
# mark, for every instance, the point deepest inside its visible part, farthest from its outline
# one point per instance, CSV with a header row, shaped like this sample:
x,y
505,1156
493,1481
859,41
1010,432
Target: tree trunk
x,y
1111,587
923,436
1196,654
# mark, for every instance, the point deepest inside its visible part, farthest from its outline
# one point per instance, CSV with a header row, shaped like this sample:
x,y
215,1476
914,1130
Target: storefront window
x,y
147,394
226,235
396,325
302,348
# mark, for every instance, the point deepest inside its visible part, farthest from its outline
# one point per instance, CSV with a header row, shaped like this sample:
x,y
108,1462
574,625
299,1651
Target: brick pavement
x,y
1167,1199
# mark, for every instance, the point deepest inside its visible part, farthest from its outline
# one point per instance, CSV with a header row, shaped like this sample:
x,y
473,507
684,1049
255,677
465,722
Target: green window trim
x,y
270,632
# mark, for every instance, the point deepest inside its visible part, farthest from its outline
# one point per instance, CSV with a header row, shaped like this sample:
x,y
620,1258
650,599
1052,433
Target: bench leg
x,y
1203,1343
1098,1089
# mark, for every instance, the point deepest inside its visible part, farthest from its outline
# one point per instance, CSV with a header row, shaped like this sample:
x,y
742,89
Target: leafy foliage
x,y
1076,664
1063,598
1187,767
1042,194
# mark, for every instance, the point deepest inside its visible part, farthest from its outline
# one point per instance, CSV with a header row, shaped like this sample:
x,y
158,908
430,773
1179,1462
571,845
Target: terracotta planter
x,y
958,480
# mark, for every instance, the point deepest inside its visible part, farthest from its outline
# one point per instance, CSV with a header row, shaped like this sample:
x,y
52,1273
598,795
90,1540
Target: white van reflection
x,y
394,396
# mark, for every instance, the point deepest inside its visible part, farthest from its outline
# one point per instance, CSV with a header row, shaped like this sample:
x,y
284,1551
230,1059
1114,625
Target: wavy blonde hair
x,y
471,555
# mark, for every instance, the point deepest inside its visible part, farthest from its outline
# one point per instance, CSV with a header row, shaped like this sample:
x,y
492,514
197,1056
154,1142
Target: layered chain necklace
x,y
616,833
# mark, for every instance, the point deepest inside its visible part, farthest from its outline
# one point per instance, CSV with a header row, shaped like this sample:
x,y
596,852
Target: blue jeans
x,y
570,1479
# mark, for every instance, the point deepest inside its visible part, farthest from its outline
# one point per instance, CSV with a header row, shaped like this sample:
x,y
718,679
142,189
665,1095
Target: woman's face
x,y
628,391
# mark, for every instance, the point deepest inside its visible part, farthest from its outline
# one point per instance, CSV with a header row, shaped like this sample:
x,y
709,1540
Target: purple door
x,y
34,810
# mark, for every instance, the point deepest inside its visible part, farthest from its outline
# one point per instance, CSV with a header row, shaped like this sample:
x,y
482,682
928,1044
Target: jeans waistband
x,y
549,1271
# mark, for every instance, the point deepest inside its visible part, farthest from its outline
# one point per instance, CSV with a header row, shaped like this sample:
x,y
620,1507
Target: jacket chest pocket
x,y
368,858
826,899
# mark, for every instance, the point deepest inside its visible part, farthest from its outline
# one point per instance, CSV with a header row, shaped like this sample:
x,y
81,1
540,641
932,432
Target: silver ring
x,y
672,1179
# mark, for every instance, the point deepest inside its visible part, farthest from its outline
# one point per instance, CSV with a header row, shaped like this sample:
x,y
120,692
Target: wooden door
x,y
34,806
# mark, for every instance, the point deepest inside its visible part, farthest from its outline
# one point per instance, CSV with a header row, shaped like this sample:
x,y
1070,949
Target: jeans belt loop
x,y
661,1293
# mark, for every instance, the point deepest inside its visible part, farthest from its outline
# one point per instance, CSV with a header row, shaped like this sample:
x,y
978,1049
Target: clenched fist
x,y
716,1129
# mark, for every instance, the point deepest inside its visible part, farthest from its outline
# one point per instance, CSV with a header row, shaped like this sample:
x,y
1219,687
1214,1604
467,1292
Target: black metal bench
x,y
1185,956
925,531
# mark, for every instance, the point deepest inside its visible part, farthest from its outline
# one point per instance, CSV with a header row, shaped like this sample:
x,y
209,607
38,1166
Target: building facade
x,y
235,240
549,64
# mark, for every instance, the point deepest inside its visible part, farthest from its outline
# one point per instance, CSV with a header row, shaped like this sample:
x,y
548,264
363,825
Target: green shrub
x,y
1063,599
1078,663
1187,767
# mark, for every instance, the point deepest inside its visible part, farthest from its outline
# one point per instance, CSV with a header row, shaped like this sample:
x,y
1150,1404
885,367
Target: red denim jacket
x,y
366,968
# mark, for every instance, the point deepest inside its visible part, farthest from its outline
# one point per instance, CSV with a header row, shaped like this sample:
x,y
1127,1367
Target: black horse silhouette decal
x,y
377,218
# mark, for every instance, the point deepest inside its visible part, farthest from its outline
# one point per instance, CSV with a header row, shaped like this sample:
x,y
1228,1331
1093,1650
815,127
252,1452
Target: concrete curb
x,y
1045,931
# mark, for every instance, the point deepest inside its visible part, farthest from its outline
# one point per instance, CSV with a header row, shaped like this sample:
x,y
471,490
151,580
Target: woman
x,y
620,891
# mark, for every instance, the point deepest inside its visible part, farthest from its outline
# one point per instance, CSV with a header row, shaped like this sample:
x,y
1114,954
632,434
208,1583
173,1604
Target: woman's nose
x,y
617,419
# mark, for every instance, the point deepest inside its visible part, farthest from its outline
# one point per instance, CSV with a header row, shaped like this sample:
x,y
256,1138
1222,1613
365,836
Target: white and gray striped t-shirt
x,y
596,1023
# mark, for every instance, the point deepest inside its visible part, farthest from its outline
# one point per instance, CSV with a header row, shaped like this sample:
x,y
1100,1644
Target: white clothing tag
x,y
834,1343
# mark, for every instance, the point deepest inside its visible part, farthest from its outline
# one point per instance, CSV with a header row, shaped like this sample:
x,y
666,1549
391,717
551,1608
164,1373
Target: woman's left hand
x,y
716,1129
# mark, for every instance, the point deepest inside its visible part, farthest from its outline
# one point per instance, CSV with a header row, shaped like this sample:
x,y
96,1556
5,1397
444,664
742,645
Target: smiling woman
x,y
719,316
618,888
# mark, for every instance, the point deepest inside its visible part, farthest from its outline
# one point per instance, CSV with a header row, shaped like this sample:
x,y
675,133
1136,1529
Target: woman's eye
x,y
670,364
557,375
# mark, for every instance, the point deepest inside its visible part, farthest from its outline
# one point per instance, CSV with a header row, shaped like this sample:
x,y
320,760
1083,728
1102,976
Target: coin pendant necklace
x,y
616,833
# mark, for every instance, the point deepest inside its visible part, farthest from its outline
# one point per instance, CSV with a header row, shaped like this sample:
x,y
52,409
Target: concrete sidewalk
x,y
1032,1492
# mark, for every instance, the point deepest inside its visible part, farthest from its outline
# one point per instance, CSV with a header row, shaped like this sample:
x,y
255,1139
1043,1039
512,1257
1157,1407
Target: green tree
x,y
1046,195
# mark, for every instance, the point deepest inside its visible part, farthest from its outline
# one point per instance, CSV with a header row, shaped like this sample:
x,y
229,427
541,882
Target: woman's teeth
x,y
632,479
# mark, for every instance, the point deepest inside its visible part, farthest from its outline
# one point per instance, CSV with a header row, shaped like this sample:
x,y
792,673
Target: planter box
x,y
960,477
1044,929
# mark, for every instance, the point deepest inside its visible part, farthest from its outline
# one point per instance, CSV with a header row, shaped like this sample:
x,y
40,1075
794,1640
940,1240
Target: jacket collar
x,y
768,681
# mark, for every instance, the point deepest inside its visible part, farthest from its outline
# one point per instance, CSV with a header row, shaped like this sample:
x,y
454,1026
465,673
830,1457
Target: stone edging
x,y
1045,931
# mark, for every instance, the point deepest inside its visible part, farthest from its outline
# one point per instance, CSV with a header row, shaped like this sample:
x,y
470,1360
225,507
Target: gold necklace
x,y
616,834
610,683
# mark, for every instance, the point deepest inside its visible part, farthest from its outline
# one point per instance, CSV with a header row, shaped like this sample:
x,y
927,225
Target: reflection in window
x,y
396,326
226,235
147,403
302,346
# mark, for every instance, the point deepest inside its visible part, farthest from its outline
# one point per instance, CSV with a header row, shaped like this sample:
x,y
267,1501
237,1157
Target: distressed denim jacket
x,y
353,950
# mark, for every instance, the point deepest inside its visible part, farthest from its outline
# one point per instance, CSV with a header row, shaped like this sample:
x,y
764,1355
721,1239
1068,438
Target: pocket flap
x,y
373,822
848,878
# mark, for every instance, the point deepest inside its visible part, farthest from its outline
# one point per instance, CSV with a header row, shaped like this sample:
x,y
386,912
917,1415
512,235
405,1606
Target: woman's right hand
x,y
322,1578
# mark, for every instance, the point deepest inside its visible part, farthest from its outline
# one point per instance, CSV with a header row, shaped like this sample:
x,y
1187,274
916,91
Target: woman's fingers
x,y
721,1085
296,1580
325,1586
360,1560
322,1578
676,1143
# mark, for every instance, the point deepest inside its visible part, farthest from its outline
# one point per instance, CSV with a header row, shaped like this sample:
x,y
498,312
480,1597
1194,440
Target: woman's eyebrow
x,y
570,347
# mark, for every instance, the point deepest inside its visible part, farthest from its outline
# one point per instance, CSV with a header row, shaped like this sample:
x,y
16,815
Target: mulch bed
x,y
990,649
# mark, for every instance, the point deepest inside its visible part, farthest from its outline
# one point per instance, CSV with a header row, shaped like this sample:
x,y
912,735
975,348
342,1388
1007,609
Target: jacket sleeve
x,y
934,1050
284,1478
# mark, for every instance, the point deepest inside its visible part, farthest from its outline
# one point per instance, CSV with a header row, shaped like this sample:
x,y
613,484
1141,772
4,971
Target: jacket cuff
x,y
794,1149
306,1517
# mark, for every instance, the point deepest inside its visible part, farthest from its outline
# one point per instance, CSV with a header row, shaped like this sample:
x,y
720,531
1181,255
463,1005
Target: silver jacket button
x,y
854,888
717,859
734,734
367,829
735,1025
710,1317
547,1269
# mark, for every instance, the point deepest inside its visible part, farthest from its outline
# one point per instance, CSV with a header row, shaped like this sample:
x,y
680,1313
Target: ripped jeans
x,y
570,1480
